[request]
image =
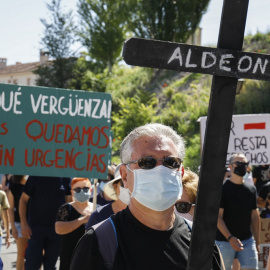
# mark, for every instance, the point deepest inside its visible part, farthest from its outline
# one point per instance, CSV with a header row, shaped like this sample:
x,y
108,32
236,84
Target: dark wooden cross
x,y
226,63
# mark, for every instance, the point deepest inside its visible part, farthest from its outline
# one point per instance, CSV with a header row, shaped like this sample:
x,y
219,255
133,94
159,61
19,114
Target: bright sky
x,y
21,29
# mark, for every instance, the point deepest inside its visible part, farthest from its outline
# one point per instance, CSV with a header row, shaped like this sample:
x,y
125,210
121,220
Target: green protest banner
x,y
54,132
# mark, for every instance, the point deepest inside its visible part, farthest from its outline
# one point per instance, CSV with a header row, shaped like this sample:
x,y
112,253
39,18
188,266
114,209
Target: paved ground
x,y
9,255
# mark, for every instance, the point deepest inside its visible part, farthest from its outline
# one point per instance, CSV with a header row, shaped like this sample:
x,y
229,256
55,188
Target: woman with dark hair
x,y
16,185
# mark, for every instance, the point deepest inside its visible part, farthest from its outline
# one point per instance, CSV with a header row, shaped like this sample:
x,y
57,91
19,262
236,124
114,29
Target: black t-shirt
x,y
139,247
261,174
46,194
100,214
68,242
16,190
265,189
238,201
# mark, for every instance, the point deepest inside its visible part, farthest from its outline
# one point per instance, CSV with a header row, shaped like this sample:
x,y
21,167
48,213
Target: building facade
x,y
21,73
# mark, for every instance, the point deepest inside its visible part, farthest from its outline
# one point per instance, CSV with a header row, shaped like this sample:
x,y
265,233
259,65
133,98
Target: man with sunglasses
x,y
238,221
149,234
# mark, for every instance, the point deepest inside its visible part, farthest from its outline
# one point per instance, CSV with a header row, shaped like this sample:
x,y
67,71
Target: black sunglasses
x,y
183,207
151,162
78,189
238,163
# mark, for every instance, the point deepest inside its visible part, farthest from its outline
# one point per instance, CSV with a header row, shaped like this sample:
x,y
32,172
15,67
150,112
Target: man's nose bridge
x,y
159,162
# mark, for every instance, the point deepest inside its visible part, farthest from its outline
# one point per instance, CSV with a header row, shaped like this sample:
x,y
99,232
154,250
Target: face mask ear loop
x,y
133,183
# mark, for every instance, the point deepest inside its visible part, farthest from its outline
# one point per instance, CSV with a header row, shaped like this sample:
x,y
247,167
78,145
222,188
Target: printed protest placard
x,y
263,255
265,231
54,132
250,134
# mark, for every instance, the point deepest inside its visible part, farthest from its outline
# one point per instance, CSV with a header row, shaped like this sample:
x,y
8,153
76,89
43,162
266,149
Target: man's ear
x,y
123,172
182,170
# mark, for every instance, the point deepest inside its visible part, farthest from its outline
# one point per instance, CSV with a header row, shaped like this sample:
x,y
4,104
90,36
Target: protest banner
x,y
54,132
264,242
249,134
263,256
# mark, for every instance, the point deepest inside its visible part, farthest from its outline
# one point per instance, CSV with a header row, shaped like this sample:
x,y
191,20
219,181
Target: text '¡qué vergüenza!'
x,y
44,104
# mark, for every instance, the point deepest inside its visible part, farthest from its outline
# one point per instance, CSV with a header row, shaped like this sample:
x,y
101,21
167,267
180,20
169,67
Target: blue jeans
x,y
43,238
248,257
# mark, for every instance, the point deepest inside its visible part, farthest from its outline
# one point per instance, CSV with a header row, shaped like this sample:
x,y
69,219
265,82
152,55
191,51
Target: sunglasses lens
x,y
78,189
183,207
147,163
172,162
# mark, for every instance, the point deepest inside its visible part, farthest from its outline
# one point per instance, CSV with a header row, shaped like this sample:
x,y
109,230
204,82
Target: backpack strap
x,y
189,223
107,241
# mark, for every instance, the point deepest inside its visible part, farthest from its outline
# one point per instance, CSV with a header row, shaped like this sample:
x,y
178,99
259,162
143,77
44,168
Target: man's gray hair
x,y
234,156
153,129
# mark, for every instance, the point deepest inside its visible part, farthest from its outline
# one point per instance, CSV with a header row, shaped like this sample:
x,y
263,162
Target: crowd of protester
x,y
47,216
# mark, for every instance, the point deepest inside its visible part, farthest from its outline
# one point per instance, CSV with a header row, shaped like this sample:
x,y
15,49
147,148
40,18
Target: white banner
x,y
250,135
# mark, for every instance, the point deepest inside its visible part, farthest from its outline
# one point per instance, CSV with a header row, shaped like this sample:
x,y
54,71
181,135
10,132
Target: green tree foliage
x,y
255,95
57,40
133,111
102,29
259,43
85,79
253,98
170,20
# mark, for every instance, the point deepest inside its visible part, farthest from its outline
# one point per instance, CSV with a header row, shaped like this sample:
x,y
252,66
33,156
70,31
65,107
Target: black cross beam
x,y
226,63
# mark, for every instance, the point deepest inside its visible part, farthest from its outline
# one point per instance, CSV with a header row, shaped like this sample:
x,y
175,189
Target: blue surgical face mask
x,y
82,196
158,188
101,185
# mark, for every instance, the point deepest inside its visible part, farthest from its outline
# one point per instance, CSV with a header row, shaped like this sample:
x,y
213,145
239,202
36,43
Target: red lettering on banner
x,y
62,159
45,158
104,165
57,157
39,157
67,134
69,159
5,130
28,126
58,132
45,133
26,159
106,137
94,162
7,155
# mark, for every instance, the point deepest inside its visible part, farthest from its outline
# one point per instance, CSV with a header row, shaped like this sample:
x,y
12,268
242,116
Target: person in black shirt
x,y
149,234
260,176
16,185
41,198
238,221
72,217
265,213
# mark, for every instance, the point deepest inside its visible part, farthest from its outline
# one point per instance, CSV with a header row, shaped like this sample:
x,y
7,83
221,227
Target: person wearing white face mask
x,y
115,191
149,235
102,198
